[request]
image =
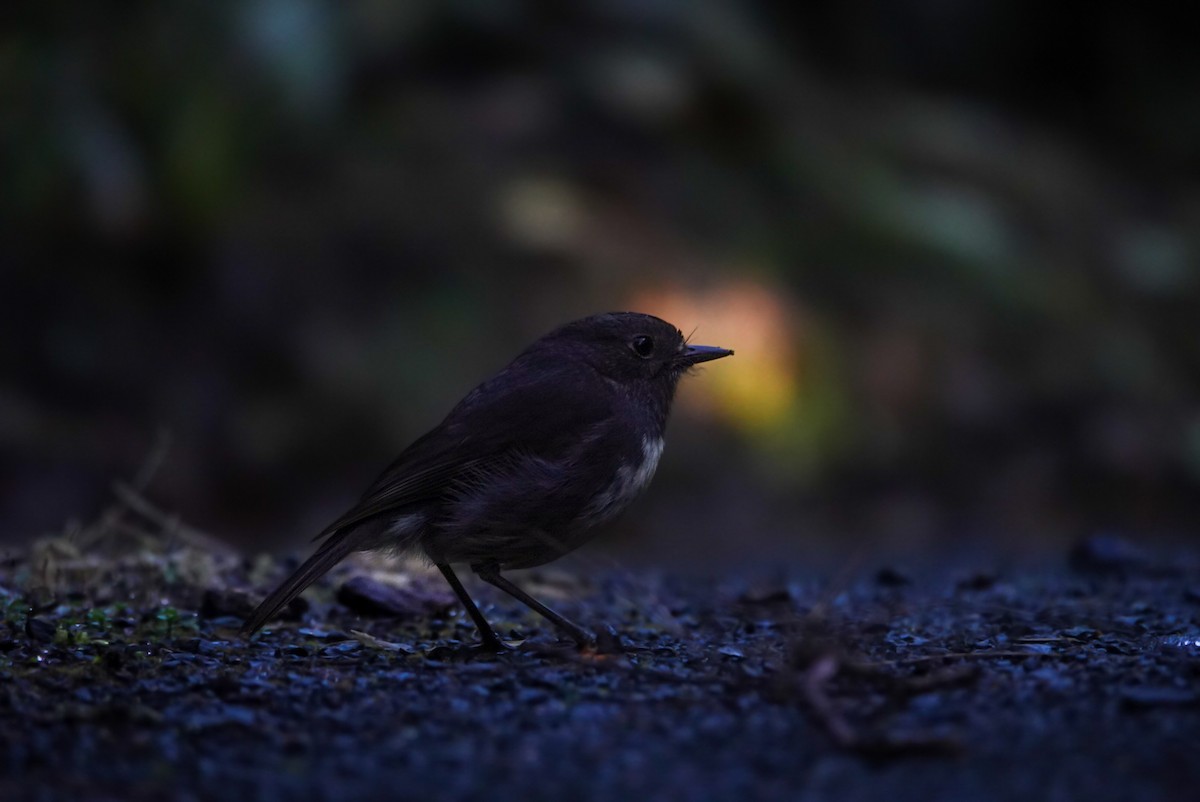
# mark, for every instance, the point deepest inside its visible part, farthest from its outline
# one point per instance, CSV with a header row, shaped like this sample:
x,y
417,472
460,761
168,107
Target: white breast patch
x,y
629,482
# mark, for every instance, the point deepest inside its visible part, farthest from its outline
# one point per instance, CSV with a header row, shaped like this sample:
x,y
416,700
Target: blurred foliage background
x,y
954,245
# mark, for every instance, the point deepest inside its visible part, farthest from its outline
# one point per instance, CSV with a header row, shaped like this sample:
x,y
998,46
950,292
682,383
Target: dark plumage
x,y
522,469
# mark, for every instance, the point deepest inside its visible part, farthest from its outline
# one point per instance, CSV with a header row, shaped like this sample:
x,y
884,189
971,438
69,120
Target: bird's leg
x,y
490,573
490,640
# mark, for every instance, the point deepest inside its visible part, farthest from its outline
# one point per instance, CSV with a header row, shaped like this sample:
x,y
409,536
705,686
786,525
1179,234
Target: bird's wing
x,y
413,478
513,414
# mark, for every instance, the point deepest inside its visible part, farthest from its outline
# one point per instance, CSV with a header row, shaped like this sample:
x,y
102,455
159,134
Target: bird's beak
x,y
695,354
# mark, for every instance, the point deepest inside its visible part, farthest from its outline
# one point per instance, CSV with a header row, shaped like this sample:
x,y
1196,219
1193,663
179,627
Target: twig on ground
x,y
813,686
113,517
168,525
989,654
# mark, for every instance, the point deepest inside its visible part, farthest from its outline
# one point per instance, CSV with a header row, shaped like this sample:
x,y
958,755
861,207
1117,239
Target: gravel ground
x,y
122,677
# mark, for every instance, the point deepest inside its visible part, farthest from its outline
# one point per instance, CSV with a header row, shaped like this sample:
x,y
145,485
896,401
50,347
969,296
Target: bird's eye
x,y
642,345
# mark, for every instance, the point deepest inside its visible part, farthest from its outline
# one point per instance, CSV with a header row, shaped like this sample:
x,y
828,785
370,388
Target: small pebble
x,y
40,630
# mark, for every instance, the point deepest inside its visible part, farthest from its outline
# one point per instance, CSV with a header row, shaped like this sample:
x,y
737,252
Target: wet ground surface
x,y
123,678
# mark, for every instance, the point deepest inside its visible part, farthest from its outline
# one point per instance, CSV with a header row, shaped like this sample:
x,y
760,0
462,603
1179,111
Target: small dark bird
x,y
526,466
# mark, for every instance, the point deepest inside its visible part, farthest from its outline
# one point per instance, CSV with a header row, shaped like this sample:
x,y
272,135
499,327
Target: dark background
x,y
954,245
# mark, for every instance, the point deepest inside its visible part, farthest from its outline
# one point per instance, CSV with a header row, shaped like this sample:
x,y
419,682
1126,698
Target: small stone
x,y
766,594
239,603
1107,554
889,577
40,630
978,581
370,597
218,602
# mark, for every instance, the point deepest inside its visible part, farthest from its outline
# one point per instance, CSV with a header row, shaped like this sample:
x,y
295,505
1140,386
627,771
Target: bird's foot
x,y
608,641
485,649
494,645
582,645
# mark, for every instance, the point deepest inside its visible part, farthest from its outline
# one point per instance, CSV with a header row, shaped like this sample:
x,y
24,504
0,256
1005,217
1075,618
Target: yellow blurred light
x,y
758,388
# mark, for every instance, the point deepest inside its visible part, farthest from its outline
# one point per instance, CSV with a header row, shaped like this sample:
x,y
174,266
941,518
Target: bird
x,y
525,467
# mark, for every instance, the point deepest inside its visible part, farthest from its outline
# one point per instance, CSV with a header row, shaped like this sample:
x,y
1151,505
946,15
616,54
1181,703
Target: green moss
x,y
15,611
167,623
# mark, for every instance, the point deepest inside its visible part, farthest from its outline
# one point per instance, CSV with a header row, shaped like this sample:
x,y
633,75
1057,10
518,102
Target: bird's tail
x,y
330,553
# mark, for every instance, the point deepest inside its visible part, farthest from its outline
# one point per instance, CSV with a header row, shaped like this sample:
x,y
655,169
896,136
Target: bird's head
x,y
629,347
